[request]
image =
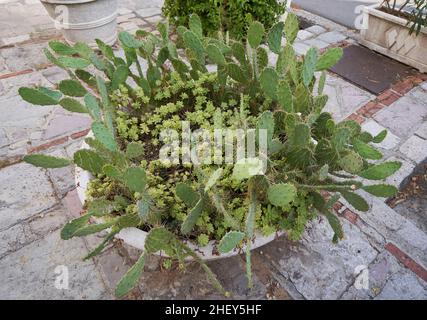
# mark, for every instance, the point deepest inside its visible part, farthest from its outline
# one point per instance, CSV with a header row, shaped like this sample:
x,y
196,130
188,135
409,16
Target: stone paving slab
x,y
318,268
344,97
24,192
29,273
395,228
31,230
404,116
389,280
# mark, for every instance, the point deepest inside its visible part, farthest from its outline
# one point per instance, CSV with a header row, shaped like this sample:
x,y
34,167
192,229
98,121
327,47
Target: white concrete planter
x,y
136,237
84,20
389,35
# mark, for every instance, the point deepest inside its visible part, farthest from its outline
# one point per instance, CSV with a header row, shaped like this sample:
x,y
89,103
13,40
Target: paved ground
x,y
390,245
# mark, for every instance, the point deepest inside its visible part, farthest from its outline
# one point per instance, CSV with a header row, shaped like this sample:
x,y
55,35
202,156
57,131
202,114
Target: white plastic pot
x,y
136,237
84,20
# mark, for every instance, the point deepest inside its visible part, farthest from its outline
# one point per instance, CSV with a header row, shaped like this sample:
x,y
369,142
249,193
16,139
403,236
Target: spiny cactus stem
x,y
219,205
252,54
328,186
250,234
212,277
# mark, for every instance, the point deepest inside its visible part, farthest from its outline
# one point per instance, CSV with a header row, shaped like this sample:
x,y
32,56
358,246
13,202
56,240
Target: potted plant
x,y
231,16
84,20
139,185
398,30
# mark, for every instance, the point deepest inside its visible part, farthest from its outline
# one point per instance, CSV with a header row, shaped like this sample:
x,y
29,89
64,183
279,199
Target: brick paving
x,y
35,203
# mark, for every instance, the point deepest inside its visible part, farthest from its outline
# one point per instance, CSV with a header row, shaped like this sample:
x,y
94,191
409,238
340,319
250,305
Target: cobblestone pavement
x,y
35,203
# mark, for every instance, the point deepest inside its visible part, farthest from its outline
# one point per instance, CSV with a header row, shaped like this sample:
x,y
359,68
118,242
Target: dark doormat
x,y
369,70
304,23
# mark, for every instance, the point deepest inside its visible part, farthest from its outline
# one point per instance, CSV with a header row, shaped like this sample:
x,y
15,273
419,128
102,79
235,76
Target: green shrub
x,y
308,152
233,16
415,11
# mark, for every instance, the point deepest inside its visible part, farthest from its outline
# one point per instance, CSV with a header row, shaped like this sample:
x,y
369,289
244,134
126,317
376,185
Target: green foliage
x,y
282,194
309,66
72,88
130,279
230,16
351,162
291,28
129,41
89,160
192,217
187,194
329,59
255,34
355,200
72,105
381,171
103,135
73,63
134,150
336,226
135,179
381,190
415,12
265,122
229,202
230,241
45,161
69,230
62,48
215,55
269,80
275,37
37,97
366,151
195,45
119,77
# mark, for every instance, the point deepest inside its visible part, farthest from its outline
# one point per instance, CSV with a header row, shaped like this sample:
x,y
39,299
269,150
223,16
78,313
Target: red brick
x,y
337,206
407,261
403,87
14,74
350,216
422,76
370,109
47,145
416,80
388,97
359,119
80,134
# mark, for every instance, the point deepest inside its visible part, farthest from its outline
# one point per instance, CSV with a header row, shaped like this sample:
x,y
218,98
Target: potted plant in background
x,y
84,20
231,16
198,210
398,30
